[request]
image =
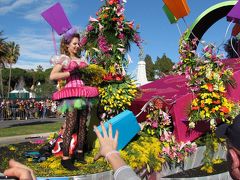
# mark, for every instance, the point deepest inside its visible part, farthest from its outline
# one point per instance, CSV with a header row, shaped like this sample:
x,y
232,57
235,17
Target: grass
x,y
30,129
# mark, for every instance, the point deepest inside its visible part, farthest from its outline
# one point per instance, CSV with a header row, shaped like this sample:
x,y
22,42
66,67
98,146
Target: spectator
x,y
231,133
19,170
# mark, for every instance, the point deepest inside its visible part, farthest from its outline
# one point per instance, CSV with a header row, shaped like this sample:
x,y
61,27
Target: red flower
x,y
210,87
111,2
217,102
115,19
158,103
108,77
195,107
119,77
224,109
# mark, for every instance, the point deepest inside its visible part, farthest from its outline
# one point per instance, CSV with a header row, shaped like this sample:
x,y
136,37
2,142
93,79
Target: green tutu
x,y
76,103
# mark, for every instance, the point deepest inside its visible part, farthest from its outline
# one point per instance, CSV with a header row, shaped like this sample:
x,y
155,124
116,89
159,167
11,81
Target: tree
x,y
231,47
39,68
163,65
3,53
13,52
149,68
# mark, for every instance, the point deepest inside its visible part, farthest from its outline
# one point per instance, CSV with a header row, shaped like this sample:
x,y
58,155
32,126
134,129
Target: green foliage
x,y
149,68
30,78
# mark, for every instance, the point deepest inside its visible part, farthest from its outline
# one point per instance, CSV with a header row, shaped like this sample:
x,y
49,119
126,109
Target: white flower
x,y
191,125
212,122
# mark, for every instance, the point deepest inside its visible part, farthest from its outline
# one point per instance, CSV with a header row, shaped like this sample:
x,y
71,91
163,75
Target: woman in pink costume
x,y
75,97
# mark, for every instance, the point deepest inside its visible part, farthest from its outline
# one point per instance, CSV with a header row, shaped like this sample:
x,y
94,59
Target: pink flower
x,y
100,27
91,19
137,39
83,41
121,36
89,27
120,10
103,45
166,150
155,124
122,50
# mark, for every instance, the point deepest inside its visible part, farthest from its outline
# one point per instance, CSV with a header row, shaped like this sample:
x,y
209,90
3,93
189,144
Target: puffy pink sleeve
x,y
61,59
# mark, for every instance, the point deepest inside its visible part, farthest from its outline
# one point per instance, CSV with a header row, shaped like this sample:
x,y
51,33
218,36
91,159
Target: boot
x,y
79,157
67,164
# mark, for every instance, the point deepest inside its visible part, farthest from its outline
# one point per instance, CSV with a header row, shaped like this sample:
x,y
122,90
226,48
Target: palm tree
x,y
12,56
3,54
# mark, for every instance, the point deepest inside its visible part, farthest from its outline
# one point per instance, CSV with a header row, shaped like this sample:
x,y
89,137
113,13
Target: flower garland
x,y
207,79
158,124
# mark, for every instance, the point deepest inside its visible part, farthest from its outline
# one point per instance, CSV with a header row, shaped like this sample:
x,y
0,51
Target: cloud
x,y
10,6
35,49
34,13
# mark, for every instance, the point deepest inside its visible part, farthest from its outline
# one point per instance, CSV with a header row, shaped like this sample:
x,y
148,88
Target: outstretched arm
x,y
108,146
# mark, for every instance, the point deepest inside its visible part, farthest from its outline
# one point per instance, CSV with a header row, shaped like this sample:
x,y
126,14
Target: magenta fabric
x,y
234,14
173,88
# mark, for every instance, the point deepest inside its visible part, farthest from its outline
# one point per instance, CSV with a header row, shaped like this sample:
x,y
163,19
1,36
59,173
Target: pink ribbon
x,y
54,42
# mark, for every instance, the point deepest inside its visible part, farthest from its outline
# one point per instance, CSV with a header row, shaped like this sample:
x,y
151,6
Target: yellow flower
x,y
204,86
215,95
202,114
207,168
208,101
195,102
12,148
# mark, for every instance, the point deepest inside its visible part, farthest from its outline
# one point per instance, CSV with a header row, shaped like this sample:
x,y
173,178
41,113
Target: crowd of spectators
x,y
27,109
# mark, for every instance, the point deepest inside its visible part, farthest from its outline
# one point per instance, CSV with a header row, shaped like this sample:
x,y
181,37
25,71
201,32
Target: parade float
x,y
178,112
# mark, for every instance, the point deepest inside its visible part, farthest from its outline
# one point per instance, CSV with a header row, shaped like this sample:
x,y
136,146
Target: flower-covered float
x,y
166,116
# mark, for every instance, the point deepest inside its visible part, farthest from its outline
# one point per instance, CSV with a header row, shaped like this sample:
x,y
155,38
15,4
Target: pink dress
x,y
74,87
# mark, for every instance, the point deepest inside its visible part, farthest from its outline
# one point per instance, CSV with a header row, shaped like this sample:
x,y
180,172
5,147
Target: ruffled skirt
x,y
76,98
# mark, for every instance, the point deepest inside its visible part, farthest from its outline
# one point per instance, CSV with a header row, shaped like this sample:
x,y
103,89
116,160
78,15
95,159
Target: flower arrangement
x,y
207,79
107,38
106,41
116,97
93,74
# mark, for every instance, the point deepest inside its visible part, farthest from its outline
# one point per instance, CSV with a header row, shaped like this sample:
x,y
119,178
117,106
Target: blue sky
x,y
21,22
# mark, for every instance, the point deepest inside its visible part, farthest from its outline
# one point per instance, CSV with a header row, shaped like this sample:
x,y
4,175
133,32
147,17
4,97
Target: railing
x,y
7,113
